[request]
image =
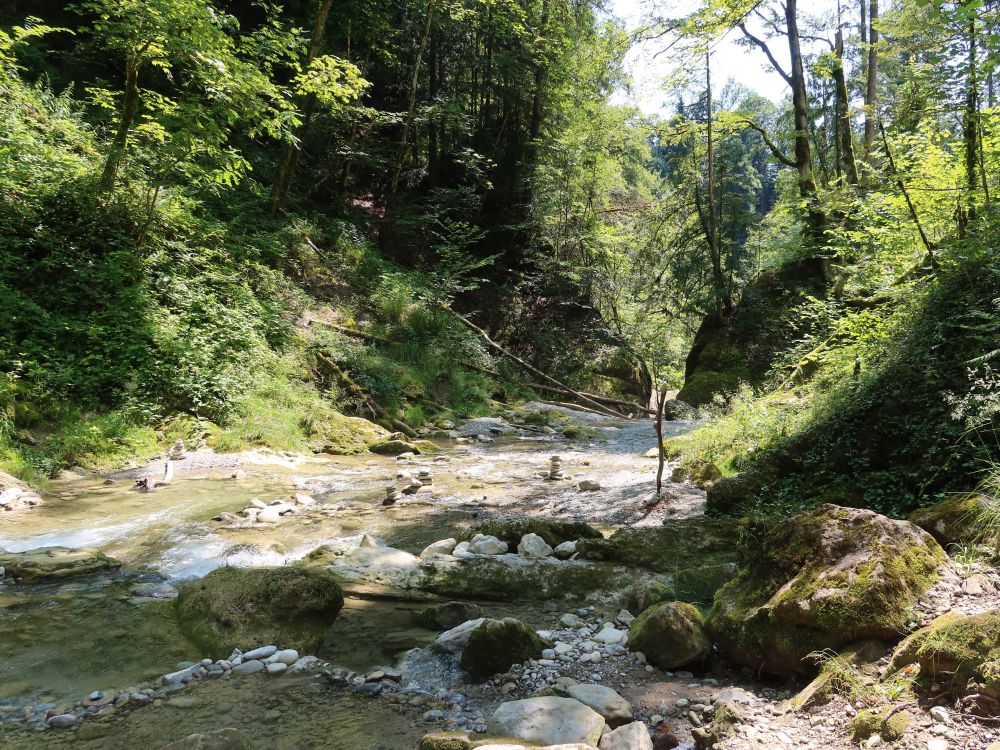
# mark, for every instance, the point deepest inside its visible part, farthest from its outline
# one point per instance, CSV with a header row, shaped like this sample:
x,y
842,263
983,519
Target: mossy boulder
x,y
703,386
960,653
55,563
248,607
702,473
887,724
820,580
447,615
497,644
962,519
342,435
671,635
393,447
728,494
728,717
553,531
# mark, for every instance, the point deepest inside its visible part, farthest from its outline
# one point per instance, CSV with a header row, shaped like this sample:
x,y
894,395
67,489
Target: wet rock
x,y
62,721
442,547
671,635
495,645
55,563
220,739
487,545
615,709
533,547
448,615
822,579
632,736
240,607
547,720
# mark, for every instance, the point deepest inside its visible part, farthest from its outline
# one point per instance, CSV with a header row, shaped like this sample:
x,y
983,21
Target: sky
x,y
729,60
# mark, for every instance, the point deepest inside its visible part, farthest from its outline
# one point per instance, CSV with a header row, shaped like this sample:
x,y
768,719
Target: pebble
x,y
939,714
62,721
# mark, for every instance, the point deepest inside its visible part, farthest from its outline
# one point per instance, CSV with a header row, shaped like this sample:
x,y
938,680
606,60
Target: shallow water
x,y
64,640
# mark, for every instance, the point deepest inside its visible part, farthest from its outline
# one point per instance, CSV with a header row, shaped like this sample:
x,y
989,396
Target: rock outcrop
x,y
822,579
547,721
55,563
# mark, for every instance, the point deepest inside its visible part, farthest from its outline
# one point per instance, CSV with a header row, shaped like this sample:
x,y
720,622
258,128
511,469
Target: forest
x,y
328,327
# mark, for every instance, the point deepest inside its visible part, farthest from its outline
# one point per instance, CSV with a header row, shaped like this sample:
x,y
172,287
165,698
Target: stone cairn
x,y
177,452
425,477
555,469
391,495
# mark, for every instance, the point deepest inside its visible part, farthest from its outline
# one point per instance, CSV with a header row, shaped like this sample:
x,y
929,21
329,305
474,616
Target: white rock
x,y
453,641
461,551
287,656
487,545
570,620
611,635
533,547
276,668
548,721
260,653
304,664
565,550
625,617
442,547
269,515
939,714
632,736
937,744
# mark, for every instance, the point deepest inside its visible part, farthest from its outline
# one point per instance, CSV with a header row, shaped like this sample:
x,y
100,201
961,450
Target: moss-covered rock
x,y
728,494
447,615
887,724
553,531
344,436
724,725
582,432
55,563
497,644
960,653
248,607
962,519
445,741
393,447
703,386
671,635
822,579
699,471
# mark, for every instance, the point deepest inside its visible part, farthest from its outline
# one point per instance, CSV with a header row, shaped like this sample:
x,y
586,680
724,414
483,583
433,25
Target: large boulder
x,y
447,615
55,563
615,709
820,580
547,721
670,634
962,519
960,653
553,531
497,644
248,607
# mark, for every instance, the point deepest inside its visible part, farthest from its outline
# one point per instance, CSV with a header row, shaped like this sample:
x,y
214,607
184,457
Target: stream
x,y
111,631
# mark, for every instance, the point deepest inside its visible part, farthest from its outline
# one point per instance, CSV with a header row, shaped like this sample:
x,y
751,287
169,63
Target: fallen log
x,y
600,408
567,405
601,399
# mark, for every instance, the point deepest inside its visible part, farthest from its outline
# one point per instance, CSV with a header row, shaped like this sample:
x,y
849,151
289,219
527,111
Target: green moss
x,y
704,385
393,447
963,519
700,472
671,635
497,644
888,725
822,579
248,607
445,741
581,432
865,724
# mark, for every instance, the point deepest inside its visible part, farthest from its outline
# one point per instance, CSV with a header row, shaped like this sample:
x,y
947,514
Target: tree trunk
x,y
800,108
871,78
412,104
130,107
718,280
283,182
970,126
846,145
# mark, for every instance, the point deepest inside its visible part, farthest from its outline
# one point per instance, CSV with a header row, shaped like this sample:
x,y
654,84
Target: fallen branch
x,y
353,332
358,392
601,409
601,399
567,405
